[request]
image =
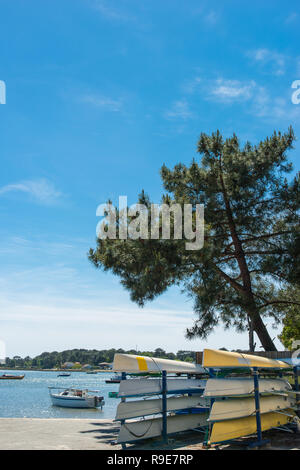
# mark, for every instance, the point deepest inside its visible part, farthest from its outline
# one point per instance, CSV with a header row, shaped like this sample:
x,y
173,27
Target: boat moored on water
x,y
11,377
75,398
116,379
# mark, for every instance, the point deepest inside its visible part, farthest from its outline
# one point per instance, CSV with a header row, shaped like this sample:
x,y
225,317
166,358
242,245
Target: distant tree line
x,y
50,360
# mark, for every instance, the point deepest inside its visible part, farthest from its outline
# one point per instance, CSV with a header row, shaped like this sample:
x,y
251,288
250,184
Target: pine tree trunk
x,y
259,327
256,322
251,336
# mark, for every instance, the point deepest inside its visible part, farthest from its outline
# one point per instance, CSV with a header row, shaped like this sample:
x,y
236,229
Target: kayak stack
x,y
231,395
168,401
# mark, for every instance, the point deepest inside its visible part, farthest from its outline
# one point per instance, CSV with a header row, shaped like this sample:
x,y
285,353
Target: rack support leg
x,y
164,407
260,442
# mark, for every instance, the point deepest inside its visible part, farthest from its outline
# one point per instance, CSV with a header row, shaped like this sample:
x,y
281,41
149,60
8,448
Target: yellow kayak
x,y
234,428
217,358
242,407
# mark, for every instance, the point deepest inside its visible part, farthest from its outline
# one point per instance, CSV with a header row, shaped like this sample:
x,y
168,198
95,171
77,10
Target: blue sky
x,y
99,95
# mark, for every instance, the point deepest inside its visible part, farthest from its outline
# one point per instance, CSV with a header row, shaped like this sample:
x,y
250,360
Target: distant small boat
x,y
11,377
64,374
116,379
76,398
91,372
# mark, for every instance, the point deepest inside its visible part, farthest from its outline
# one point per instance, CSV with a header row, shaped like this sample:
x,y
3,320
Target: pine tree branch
x,y
278,302
267,235
258,201
261,237
226,259
231,281
281,252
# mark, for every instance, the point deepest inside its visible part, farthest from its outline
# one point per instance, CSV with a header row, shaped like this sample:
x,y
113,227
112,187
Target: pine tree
x,y
252,239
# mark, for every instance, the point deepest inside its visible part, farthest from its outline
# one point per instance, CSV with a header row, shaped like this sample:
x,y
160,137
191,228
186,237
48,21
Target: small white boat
x,y
116,379
75,398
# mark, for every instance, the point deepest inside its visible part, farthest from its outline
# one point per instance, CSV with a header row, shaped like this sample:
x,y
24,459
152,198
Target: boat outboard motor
x,y
99,400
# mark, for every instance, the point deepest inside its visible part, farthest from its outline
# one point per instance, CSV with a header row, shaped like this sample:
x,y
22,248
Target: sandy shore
x,y
57,434
101,434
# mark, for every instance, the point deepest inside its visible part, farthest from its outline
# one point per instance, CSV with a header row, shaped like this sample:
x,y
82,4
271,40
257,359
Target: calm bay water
x,y
29,398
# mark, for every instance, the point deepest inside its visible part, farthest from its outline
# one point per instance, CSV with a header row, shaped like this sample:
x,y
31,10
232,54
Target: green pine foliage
x,y
291,320
252,238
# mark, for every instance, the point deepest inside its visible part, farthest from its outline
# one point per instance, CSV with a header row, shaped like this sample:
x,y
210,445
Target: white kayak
x,y
136,387
243,386
134,409
134,364
145,429
240,407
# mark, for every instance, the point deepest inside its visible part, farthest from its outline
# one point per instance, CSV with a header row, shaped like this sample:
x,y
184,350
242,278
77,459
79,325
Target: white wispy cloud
x,y
190,86
104,102
220,89
30,327
111,12
231,90
211,18
297,66
179,110
253,97
260,101
275,61
292,17
20,246
45,300
40,190
274,108
208,16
